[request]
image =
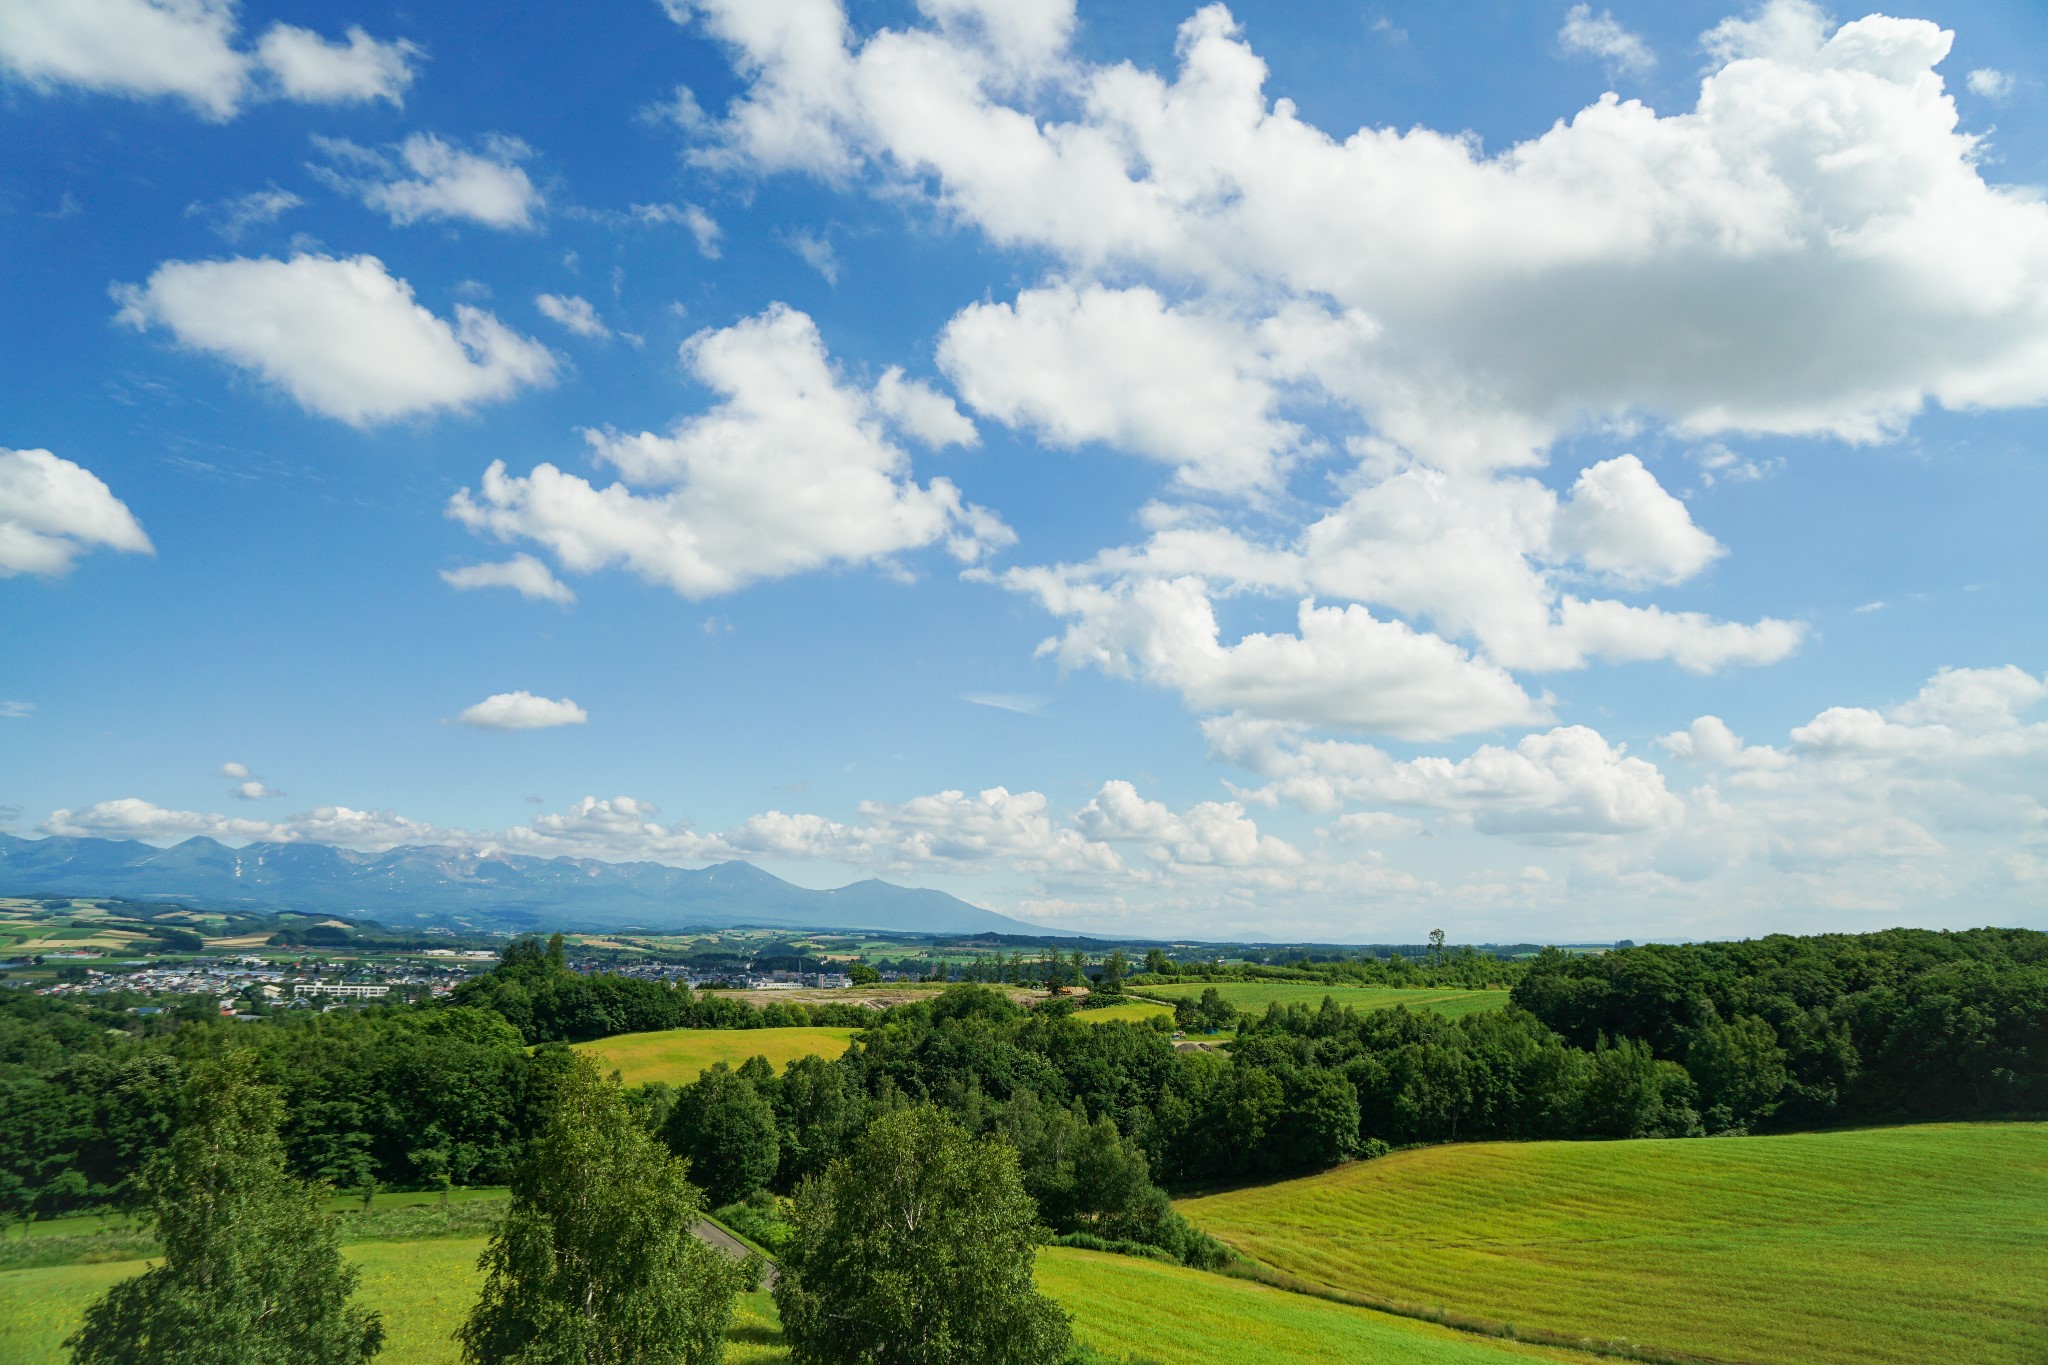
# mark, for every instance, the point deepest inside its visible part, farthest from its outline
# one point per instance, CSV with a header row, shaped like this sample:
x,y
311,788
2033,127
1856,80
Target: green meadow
x,y
1135,1012
1256,995
1126,1308
678,1056
1898,1246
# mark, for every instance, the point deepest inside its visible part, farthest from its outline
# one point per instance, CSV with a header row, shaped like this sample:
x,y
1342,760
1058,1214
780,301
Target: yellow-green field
x,y
423,1289
1152,1312
1135,1012
1256,995
680,1055
1121,1306
1896,1246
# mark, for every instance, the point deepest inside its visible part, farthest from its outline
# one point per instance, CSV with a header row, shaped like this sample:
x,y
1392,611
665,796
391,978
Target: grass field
x,y
1880,1247
1136,1012
1152,1312
1121,1306
1256,995
679,1055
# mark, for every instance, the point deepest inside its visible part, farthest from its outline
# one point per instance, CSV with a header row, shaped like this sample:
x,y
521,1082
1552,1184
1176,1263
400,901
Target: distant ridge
x,y
422,885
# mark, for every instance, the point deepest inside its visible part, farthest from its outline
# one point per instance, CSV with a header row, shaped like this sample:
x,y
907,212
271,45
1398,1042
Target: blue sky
x,y
1296,470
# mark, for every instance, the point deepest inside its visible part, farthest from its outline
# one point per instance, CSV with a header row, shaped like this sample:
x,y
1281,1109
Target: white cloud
x,y
1491,300
1345,668
435,179
255,791
16,710
1212,833
817,252
1121,367
342,336
1991,83
52,511
574,313
1620,522
522,573
185,49
238,771
1567,782
308,67
789,472
920,411
1585,34
234,217
522,711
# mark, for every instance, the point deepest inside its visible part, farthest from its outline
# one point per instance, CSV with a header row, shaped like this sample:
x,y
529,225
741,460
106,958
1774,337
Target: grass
x,y
1879,1247
1135,1012
423,1289
1256,995
1147,1311
679,1055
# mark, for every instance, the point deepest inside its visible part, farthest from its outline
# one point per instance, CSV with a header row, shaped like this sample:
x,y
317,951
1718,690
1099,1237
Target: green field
x,y
1121,1306
1147,1311
1256,995
1892,1246
679,1055
1136,1012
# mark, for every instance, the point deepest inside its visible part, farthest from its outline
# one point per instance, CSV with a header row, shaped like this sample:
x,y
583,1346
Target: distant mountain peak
x,y
431,884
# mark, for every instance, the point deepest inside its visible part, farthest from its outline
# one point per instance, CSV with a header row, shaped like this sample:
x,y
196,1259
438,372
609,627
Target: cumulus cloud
x,y
1121,367
791,471
920,411
522,573
426,178
1344,667
342,336
522,711
574,313
1563,783
52,511
1990,83
310,68
1590,35
186,49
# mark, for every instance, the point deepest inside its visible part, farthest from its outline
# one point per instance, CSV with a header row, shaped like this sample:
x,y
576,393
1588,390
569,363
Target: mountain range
x,y
425,885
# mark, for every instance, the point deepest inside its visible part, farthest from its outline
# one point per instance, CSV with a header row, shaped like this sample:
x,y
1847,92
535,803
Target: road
x,y
713,1235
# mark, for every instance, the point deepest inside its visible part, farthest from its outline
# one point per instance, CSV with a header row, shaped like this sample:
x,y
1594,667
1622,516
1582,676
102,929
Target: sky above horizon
x,y
1286,471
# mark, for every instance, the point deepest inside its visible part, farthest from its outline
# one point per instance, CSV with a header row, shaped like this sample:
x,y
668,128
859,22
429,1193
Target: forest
x,y
1667,1041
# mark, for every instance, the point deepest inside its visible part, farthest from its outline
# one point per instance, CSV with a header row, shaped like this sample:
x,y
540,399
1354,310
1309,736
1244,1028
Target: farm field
x,y
1873,1247
677,1056
1121,1306
1256,995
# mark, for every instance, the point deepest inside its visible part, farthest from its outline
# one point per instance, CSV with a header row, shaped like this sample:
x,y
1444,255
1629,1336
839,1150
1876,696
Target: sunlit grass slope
x,y
423,1289
679,1055
1901,1245
1135,1012
1256,995
1147,1311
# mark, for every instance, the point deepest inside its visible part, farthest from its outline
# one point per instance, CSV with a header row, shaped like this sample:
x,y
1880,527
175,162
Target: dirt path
x,y
713,1235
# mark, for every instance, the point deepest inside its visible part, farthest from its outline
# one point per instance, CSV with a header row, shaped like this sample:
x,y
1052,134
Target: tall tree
x,y
916,1249
251,1272
728,1132
596,1261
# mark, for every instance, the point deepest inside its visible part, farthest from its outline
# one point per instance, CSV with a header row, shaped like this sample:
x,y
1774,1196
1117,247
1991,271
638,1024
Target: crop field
x,y
1256,995
1147,1311
678,1056
1878,1246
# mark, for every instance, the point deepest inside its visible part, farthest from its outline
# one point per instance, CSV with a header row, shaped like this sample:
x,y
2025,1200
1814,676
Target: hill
x,y
1893,1246
417,885
1254,996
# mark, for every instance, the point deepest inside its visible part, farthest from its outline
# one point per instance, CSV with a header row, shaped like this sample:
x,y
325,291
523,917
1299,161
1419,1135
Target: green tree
x,y
1115,968
1737,1065
596,1261
251,1272
728,1132
861,974
916,1249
